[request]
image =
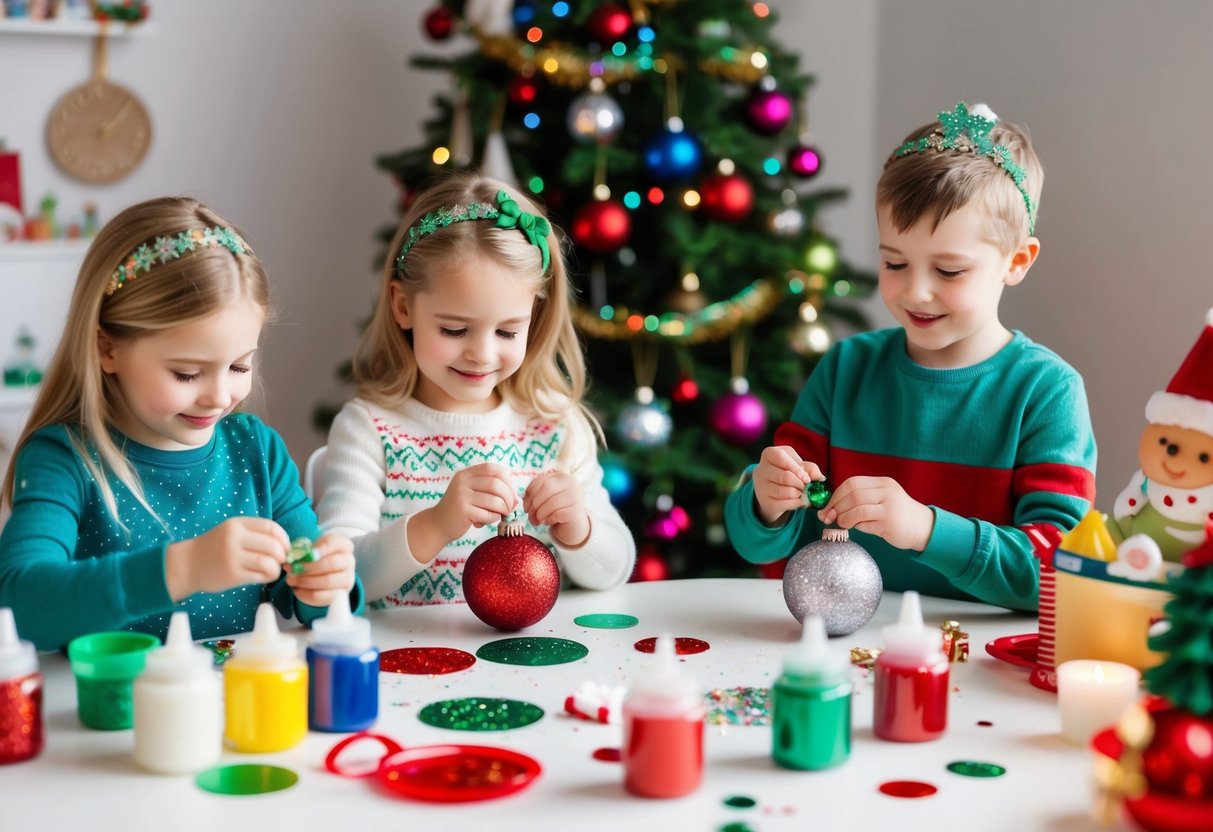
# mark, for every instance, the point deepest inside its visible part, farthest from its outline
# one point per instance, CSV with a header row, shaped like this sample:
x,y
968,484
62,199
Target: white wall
x,y
1115,95
273,112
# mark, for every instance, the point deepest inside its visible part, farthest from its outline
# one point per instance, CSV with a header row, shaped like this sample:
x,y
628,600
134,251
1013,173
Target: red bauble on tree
x,y
511,581
650,565
608,23
439,23
602,226
522,90
727,197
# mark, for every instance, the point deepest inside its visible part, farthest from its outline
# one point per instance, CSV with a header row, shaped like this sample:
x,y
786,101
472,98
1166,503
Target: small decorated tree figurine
x,y
1162,512
1185,677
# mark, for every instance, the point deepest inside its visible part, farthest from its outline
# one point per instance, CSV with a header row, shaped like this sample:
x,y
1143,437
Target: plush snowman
x,y
1162,513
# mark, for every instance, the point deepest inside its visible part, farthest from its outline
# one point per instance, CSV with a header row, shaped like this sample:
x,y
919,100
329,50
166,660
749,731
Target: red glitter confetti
x,y
607,755
425,661
984,723
682,646
908,788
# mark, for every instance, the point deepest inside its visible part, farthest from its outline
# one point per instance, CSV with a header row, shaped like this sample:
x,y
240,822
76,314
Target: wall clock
x,y
99,132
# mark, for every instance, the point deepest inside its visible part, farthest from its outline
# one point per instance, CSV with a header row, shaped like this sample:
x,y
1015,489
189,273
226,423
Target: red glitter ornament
x,y
609,22
439,23
602,226
511,581
726,197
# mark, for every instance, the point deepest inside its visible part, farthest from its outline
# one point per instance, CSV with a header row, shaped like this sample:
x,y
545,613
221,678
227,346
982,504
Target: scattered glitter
x,y
425,661
532,651
480,714
985,723
908,788
682,646
607,755
974,768
740,802
606,621
738,706
222,648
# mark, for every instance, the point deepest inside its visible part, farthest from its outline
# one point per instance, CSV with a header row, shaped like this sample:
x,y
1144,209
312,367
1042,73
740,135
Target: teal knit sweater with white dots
x,y
67,567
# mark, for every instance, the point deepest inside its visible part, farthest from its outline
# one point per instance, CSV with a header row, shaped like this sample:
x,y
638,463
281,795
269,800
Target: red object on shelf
x,y
10,179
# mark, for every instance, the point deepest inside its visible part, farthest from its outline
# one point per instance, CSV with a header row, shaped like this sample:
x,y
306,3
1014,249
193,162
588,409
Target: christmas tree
x,y
670,141
1185,676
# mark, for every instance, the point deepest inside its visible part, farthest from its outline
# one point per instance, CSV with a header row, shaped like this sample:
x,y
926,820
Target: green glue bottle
x,y
811,704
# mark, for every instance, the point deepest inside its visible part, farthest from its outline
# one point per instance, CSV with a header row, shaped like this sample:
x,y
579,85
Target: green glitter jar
x,y
105,666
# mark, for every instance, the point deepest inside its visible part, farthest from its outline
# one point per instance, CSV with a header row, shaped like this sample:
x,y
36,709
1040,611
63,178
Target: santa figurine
x,y
1163,511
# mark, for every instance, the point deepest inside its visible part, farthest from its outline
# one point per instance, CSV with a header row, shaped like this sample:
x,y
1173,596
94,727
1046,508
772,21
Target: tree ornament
x,y
685,391
817,494
835,578
617,481
601,226
667,523
804,160
650,565
439,23
594,117
738,417
672,156
787,221
726,197
686,302
511,581
644,422
769,111
522,90
609,23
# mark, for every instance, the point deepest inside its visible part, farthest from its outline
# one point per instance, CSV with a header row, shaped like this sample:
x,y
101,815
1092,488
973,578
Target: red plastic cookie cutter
x,y
441,773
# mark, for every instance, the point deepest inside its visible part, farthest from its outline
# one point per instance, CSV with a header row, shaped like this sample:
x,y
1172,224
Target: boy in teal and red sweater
x,y
961,451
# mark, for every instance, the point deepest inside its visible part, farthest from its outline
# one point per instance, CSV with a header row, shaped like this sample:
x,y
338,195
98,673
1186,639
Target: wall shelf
x,y
76,28
27,251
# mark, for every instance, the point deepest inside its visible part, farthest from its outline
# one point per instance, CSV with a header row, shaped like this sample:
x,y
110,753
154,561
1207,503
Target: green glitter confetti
x,y
740,802
736,826
974,768
479,714
606,621
532,651
738,706
817,493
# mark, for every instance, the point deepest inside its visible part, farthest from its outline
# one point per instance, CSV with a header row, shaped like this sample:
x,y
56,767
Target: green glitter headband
x,y
966,131
163,249
507,213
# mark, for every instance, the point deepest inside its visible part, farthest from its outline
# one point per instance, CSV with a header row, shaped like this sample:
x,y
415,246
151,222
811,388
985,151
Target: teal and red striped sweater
x,y
1002,452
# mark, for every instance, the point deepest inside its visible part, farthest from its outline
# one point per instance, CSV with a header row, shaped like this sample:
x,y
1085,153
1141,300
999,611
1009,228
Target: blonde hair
x,y
551,379
936,183
75,392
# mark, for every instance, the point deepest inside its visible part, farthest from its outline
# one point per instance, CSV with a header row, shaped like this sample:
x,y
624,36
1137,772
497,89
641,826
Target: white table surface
x,y
86,780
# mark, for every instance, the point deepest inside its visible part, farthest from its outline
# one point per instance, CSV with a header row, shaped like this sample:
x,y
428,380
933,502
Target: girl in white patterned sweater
x,y
470,380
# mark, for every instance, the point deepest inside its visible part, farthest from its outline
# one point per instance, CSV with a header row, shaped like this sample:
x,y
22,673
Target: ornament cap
x,y
179,657
17,657
813,659
909,637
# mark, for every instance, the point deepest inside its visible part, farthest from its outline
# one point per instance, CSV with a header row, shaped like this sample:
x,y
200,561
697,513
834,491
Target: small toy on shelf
x,y
21,371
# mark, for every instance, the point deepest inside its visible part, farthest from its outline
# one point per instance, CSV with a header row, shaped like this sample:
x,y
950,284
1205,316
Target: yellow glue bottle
x,y
265,689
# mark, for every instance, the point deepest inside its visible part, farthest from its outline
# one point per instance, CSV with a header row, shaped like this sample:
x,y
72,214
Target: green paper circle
x,y
252,778
476,713
532,651
740,801
975,768
606,621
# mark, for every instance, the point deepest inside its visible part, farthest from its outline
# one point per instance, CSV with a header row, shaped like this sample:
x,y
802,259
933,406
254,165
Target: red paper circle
x,y
682,646
425,661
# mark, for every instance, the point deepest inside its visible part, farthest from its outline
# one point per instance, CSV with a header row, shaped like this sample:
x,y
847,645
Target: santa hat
x,y
1188,399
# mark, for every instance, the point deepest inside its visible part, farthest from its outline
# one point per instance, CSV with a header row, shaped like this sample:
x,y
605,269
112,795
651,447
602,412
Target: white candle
x,y
1092,695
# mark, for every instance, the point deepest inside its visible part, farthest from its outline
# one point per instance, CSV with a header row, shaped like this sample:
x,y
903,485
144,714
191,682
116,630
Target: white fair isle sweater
x,y
384,466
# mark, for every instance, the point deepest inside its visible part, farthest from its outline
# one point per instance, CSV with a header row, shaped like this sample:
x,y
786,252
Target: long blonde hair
x,y
551,380
75,392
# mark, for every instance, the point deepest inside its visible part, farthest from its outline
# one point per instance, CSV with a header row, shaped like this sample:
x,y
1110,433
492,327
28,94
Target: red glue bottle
x,y
911,680
21,732
663,729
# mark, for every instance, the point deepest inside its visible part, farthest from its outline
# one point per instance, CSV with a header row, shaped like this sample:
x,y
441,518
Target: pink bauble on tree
x,y
511,581
769,111
727,197
739,417
804,160
601,226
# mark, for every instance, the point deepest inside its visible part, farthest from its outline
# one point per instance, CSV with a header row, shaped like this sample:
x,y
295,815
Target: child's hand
x,y
476,496
881,507
330,573
779,481
239,551
556,500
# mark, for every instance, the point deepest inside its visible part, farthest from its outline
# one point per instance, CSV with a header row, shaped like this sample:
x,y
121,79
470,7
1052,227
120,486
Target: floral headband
x,y
163,249
968,131
507,213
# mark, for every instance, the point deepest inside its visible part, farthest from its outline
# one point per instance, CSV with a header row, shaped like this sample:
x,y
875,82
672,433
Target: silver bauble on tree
x,y
836,579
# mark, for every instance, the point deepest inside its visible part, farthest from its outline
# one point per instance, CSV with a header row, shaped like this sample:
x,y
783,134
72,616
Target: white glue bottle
x,y
178,705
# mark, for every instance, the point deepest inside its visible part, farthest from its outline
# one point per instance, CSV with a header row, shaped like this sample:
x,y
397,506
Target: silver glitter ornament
x,y
836,579
594,117
645,424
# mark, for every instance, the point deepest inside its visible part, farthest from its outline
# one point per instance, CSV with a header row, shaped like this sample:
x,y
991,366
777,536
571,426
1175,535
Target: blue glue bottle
x,y
811,703
343,671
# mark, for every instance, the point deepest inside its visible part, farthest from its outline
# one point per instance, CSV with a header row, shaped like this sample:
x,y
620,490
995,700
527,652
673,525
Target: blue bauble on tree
x,y
672,156
617,481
